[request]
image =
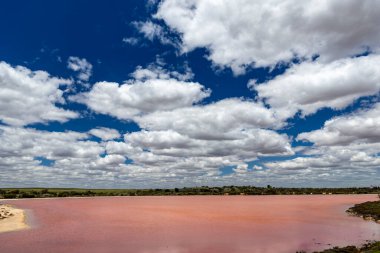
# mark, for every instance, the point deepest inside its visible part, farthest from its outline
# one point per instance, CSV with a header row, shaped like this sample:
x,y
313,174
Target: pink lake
x,y
185,224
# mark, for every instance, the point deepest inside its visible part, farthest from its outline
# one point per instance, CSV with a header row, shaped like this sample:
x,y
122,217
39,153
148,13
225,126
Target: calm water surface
x,y
196,224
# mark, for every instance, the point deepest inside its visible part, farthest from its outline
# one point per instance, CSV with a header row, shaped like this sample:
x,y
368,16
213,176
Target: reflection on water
x,y
187,224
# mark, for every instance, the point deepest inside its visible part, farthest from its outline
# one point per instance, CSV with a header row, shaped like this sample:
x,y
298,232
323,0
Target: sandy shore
x,y
11,219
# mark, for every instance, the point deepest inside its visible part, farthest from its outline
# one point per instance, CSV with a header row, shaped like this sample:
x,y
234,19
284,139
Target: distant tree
x,y
15,191
44,191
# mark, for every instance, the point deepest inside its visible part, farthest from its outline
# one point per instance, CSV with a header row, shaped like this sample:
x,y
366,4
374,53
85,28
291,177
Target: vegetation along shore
x,y
11,193
370,247
369,211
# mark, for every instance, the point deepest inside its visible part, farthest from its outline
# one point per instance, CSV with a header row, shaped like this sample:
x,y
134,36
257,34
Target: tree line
x,y
10,193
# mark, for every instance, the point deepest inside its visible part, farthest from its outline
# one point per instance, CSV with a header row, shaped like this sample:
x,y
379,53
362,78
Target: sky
x,y
181,93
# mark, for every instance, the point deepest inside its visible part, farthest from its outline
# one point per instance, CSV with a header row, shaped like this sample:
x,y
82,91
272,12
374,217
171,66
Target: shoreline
x,y
193,195
12,219
366,211
369,211
364,217
17,193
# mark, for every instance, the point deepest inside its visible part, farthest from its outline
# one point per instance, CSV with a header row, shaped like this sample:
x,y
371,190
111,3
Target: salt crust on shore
x,y
12,219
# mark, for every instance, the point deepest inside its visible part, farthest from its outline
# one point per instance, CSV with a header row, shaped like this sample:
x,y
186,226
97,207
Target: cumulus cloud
x,y
340,165
52,145
247,146
241,168
359,127
197,141
242,32
28,96
191,144
344,152
179,138
155,71
152,158
121,148
309,86
147,92
82,66
182,142
105,133
75,158
225,119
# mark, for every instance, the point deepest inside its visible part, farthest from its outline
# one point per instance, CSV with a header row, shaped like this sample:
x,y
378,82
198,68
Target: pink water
x,y
199,224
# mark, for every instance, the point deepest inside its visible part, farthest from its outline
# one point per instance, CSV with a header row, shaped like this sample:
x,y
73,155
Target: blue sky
x,y
187,93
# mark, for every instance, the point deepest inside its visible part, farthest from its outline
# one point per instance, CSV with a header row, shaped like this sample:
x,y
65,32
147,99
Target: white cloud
x,y
359,127
107,162
340,165
121,148
131,41
152,31
181,140
76,160
149,91
241,168
161,158
243,32
149,29
247,146
105,133
226,119
345,152
225,133
176,136
310,86
82,66
31,96
20,142
158,72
